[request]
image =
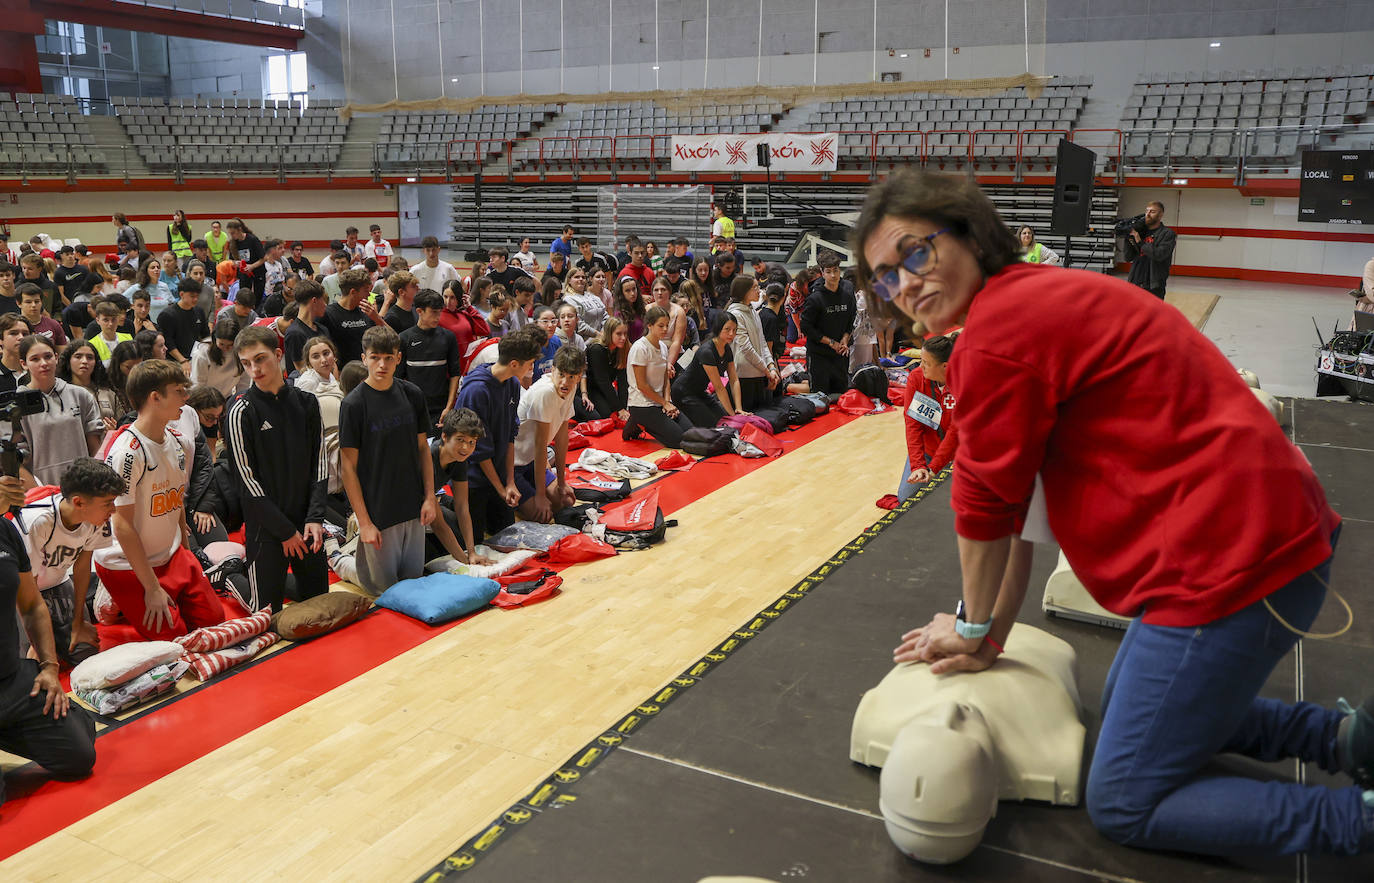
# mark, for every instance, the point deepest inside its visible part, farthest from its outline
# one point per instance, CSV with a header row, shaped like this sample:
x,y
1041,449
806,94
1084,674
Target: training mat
x,y
747,772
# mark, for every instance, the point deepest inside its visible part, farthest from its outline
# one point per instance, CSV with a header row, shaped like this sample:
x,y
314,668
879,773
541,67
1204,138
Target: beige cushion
x,y
320,614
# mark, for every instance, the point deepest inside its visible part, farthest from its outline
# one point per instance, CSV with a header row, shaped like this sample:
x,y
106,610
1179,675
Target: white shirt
x,y
53,549
225,377
524,258
156,475
380,250
434,278
541,403
655,362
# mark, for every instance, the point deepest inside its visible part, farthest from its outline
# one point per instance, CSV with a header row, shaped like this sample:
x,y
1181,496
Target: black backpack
x,y
800,411
777,416
701,441
871,381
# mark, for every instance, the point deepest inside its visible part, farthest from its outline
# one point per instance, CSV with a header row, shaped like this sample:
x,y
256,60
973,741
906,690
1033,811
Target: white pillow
x,y
123,663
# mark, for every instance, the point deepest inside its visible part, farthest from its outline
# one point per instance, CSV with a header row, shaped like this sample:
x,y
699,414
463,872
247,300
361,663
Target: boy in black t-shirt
x,y
352,314
392,493
770,318
309,322
70,275
430,357
183,323
457,440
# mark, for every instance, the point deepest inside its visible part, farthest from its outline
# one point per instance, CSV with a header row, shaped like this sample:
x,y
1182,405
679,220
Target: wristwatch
x,y
970,631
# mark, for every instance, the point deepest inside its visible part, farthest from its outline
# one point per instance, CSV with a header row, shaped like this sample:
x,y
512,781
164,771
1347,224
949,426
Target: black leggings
x,y
489,511
655,421
701,410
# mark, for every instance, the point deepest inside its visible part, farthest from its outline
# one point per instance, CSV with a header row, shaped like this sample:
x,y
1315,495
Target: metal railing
x,y
1251,150
256,11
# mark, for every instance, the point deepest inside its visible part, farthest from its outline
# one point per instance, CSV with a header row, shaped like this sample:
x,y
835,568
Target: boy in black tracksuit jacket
x,y
827,321
275,439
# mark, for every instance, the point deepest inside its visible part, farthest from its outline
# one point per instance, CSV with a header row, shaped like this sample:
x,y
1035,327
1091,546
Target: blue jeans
x,y
1175,697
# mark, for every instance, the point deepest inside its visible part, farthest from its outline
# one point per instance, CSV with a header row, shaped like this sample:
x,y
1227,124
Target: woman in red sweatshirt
x,y
928,411
1174,495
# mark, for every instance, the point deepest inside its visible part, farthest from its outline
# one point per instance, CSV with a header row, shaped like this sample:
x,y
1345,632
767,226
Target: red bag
x,y
34,494
764,441
635,514
597,427
574,549
526,585
577,440
675,460
855,402
888,501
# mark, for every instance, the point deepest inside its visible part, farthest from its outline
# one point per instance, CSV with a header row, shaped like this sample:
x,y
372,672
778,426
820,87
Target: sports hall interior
x,y
681,712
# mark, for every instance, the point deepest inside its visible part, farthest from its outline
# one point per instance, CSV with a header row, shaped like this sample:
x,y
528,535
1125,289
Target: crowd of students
x,y
406,409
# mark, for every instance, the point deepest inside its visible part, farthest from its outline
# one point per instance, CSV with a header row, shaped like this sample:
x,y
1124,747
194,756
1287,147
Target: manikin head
x,y
939,784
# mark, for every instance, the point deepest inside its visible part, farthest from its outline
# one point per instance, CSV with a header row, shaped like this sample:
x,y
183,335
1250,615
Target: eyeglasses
x,y
919,259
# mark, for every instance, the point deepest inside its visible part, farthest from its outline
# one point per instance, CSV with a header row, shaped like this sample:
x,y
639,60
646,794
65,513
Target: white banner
x,y
739,153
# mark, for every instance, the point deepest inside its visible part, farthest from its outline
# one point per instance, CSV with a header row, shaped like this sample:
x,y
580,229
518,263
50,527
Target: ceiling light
x,y
453,79
1215,44
655,67
904,55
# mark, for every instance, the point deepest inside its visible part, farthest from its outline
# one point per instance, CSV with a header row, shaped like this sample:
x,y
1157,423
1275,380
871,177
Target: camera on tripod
x,y
1124,226
14,407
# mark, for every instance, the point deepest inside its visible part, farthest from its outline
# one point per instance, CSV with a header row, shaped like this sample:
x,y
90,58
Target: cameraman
x,y
1150,249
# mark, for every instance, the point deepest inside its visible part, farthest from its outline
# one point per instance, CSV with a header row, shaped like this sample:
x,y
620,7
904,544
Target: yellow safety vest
x,y
1032,256
181,246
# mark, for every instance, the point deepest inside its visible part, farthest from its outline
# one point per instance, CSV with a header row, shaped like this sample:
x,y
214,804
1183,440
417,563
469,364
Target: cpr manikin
x,y
952,745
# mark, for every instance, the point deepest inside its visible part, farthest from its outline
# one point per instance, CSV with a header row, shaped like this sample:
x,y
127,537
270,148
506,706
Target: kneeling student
x,y
544,411
493,392
275,438
149,571
60,532
387,469
458,435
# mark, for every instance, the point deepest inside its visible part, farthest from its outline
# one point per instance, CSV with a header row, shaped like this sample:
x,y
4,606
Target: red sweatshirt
x,y
921,440
1170,488
467,325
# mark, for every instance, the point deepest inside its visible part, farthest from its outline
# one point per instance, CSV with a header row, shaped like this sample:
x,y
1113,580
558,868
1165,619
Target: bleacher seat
x,y
46,134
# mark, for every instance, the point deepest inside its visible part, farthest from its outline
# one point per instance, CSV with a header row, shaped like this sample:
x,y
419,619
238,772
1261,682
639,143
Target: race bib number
x,y
925,410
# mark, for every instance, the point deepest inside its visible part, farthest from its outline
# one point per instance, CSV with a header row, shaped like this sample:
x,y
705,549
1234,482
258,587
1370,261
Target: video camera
x,y
14,407
1124,226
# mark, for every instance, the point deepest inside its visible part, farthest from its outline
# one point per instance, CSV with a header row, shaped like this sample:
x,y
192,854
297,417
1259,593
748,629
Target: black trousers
x,y
489,511
666,430
754,393
829,374
602,407
65,748
267,568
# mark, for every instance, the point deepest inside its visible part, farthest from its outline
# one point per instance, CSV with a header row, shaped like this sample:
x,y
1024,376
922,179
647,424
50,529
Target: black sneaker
x,y
1355,742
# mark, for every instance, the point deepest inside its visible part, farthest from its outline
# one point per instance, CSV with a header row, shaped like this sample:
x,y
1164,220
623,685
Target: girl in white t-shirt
x,y
524,258
650,400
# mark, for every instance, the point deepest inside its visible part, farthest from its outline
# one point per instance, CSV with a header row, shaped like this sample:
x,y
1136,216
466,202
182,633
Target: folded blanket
x,y
505,563
612,464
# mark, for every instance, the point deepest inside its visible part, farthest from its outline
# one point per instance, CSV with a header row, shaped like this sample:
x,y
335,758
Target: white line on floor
x,y
1100,875
1334,447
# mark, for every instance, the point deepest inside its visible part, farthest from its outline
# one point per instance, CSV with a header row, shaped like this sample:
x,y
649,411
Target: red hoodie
x,y
467,325
1170,488
921,440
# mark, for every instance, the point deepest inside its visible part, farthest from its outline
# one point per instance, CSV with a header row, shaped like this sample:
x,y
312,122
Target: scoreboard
x,y
1337,187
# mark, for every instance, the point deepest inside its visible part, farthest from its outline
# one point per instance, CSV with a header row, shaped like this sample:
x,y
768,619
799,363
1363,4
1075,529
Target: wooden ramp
x,y
385,775
1196,306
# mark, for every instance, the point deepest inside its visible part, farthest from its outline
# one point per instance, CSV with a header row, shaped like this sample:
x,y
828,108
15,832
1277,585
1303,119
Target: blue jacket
x,y
495,402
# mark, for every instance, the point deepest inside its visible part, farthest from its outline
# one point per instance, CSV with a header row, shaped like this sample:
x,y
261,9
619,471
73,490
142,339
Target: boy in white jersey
x,y
150,573
60,533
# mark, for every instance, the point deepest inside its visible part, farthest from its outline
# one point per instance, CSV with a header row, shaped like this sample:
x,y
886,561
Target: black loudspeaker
x,y
765,156
1073,189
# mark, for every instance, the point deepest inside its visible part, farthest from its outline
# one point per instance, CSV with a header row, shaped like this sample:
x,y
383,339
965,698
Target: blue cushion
x,y
439,597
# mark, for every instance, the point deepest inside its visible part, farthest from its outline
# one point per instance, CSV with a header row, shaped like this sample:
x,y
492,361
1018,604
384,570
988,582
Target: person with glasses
x,y
827,322
1179,501
546,320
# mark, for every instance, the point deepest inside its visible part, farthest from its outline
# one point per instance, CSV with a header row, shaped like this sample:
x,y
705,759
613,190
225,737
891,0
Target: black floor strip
x,y
559,789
